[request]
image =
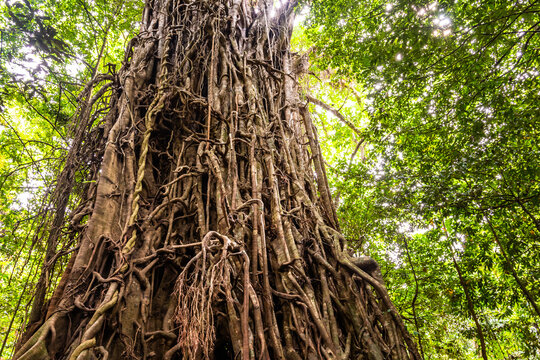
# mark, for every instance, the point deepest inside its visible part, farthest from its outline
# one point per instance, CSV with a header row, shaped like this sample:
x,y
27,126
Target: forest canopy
x,y
428,118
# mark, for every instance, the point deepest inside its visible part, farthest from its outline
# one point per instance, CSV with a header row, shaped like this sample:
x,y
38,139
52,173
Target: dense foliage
x,y
449,182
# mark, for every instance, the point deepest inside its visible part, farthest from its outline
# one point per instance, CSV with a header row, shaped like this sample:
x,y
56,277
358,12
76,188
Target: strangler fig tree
x,y
205,228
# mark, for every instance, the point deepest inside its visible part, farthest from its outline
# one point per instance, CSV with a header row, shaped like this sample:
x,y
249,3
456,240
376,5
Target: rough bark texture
x,y
209,231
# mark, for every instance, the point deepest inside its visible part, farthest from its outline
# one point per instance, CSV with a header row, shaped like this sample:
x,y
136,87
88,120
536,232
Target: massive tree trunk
x,y
210,230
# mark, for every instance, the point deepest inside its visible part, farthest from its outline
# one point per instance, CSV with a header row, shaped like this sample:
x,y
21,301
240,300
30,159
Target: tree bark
x,y
212,233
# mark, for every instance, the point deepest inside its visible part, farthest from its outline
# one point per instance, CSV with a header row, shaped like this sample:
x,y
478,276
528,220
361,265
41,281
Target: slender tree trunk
x,y
470,306
413,303
212,233
470,302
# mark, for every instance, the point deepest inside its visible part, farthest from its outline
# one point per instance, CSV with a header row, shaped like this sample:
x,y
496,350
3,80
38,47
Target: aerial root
x,y
197,291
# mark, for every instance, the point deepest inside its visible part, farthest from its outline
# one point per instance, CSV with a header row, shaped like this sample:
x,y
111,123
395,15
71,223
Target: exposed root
x,y
205,276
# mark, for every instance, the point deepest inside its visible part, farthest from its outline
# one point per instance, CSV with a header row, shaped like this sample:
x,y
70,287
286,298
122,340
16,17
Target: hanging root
x,y
197,288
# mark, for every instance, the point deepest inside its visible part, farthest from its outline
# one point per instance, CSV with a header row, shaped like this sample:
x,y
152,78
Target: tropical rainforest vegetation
x,y
428,121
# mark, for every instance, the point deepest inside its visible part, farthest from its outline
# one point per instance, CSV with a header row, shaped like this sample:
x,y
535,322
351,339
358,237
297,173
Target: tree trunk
x,y
211,231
